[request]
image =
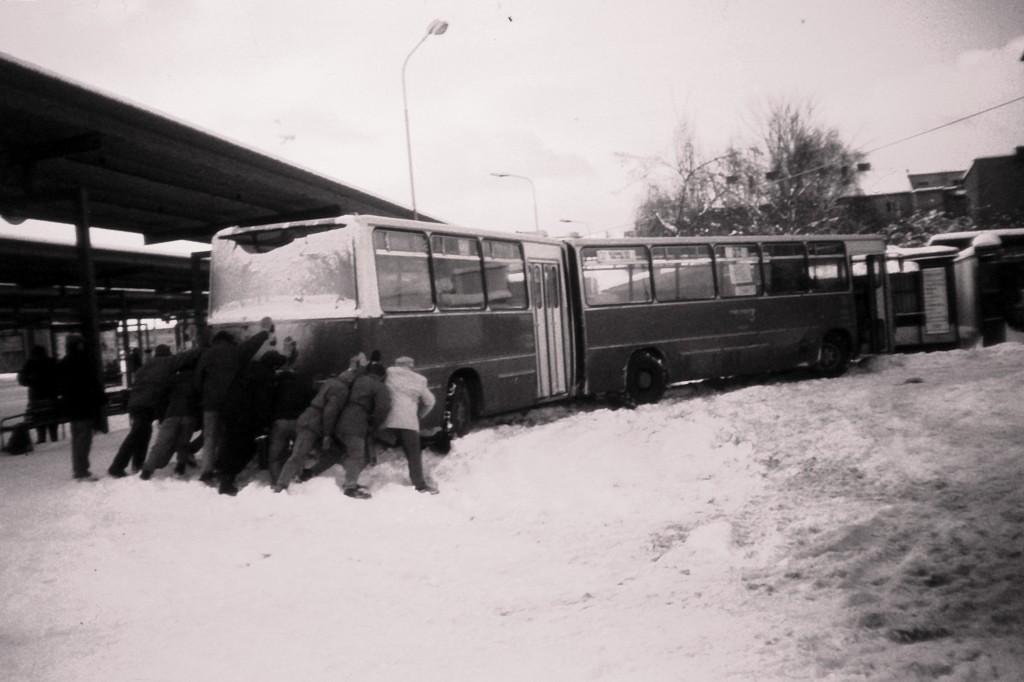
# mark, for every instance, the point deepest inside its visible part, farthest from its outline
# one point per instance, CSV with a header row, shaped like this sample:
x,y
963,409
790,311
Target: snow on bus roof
x,y
384,221
921,252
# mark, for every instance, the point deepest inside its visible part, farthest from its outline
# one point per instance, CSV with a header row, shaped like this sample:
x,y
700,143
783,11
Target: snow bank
x,y
866,527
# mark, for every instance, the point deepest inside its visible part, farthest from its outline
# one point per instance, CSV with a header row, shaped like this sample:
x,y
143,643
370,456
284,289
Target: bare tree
x,y
692,194
809,169
790,181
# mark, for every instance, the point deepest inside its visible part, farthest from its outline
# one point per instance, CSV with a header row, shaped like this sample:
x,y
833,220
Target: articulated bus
x,y
655,312
485,315
499,322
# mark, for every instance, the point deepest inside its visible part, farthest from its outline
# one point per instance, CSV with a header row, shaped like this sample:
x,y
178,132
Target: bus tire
x,y
458,408
834,355
646,379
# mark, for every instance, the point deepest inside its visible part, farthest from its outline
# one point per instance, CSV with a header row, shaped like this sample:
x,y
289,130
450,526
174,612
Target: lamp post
x,y
436,28
536,222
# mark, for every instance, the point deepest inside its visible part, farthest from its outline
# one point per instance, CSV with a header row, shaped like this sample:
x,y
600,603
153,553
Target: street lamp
x,y
436,28
536,222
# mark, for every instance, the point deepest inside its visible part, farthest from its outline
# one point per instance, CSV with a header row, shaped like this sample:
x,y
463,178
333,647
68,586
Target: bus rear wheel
x,y
458,408
646,379
834,355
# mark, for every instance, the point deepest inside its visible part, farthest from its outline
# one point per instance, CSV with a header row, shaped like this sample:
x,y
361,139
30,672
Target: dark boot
x,y
357,492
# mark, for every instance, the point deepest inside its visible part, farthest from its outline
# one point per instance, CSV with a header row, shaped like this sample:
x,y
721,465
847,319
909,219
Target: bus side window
x,y
785,268
537,286
738,270
828,266
458,279
616,275
504,275
403,271
552,288
683,272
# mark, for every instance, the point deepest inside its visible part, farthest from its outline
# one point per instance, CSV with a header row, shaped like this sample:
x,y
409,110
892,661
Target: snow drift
x,y
865,527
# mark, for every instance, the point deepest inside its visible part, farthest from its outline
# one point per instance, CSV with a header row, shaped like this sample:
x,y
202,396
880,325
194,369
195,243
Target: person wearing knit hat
x,y
411,401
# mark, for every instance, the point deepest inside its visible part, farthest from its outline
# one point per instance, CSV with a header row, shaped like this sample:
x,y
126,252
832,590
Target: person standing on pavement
x,y
411,401
39,374
215,372
366,410
82,403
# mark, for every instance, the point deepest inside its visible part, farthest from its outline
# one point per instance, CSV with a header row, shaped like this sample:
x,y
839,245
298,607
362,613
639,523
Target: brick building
x,y
994,187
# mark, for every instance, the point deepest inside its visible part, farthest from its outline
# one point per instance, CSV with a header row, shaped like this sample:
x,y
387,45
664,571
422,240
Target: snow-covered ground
x,y
866,527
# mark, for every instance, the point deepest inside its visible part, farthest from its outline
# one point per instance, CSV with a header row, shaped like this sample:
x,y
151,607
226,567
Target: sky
x,y
567,94
867,527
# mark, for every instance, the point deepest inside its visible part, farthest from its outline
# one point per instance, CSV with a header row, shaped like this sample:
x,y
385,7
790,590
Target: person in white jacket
x,y
411,401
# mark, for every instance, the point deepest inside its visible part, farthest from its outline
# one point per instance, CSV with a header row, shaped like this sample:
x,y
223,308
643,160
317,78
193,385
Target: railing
x,y
117,403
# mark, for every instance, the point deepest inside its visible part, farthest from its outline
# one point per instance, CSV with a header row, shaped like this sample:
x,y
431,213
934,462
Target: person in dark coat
x,y
216,371
134,360
180,420
147,401
247,413
315,426
293,392
366,410
82,402
39,374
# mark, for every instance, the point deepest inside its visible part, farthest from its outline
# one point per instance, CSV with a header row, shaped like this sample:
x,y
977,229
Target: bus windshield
x,y
286,273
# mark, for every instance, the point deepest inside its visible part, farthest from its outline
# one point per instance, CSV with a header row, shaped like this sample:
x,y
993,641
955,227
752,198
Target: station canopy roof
x,y
40,284
139,172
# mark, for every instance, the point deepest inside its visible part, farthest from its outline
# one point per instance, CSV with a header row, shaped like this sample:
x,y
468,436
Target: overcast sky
x,y
553,90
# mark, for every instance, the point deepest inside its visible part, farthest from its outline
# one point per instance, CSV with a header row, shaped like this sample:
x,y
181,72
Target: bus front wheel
x,y
458,408
646,379
834,355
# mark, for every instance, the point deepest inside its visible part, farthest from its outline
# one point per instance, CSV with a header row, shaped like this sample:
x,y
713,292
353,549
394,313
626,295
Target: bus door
x,y
550,328
874,310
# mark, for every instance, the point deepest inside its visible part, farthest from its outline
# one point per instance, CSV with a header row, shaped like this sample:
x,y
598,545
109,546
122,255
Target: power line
x,y
909,137
946,125
884,146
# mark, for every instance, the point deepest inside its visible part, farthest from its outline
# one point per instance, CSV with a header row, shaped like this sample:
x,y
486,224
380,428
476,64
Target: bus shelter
x,y
989,273
72,155
923,297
